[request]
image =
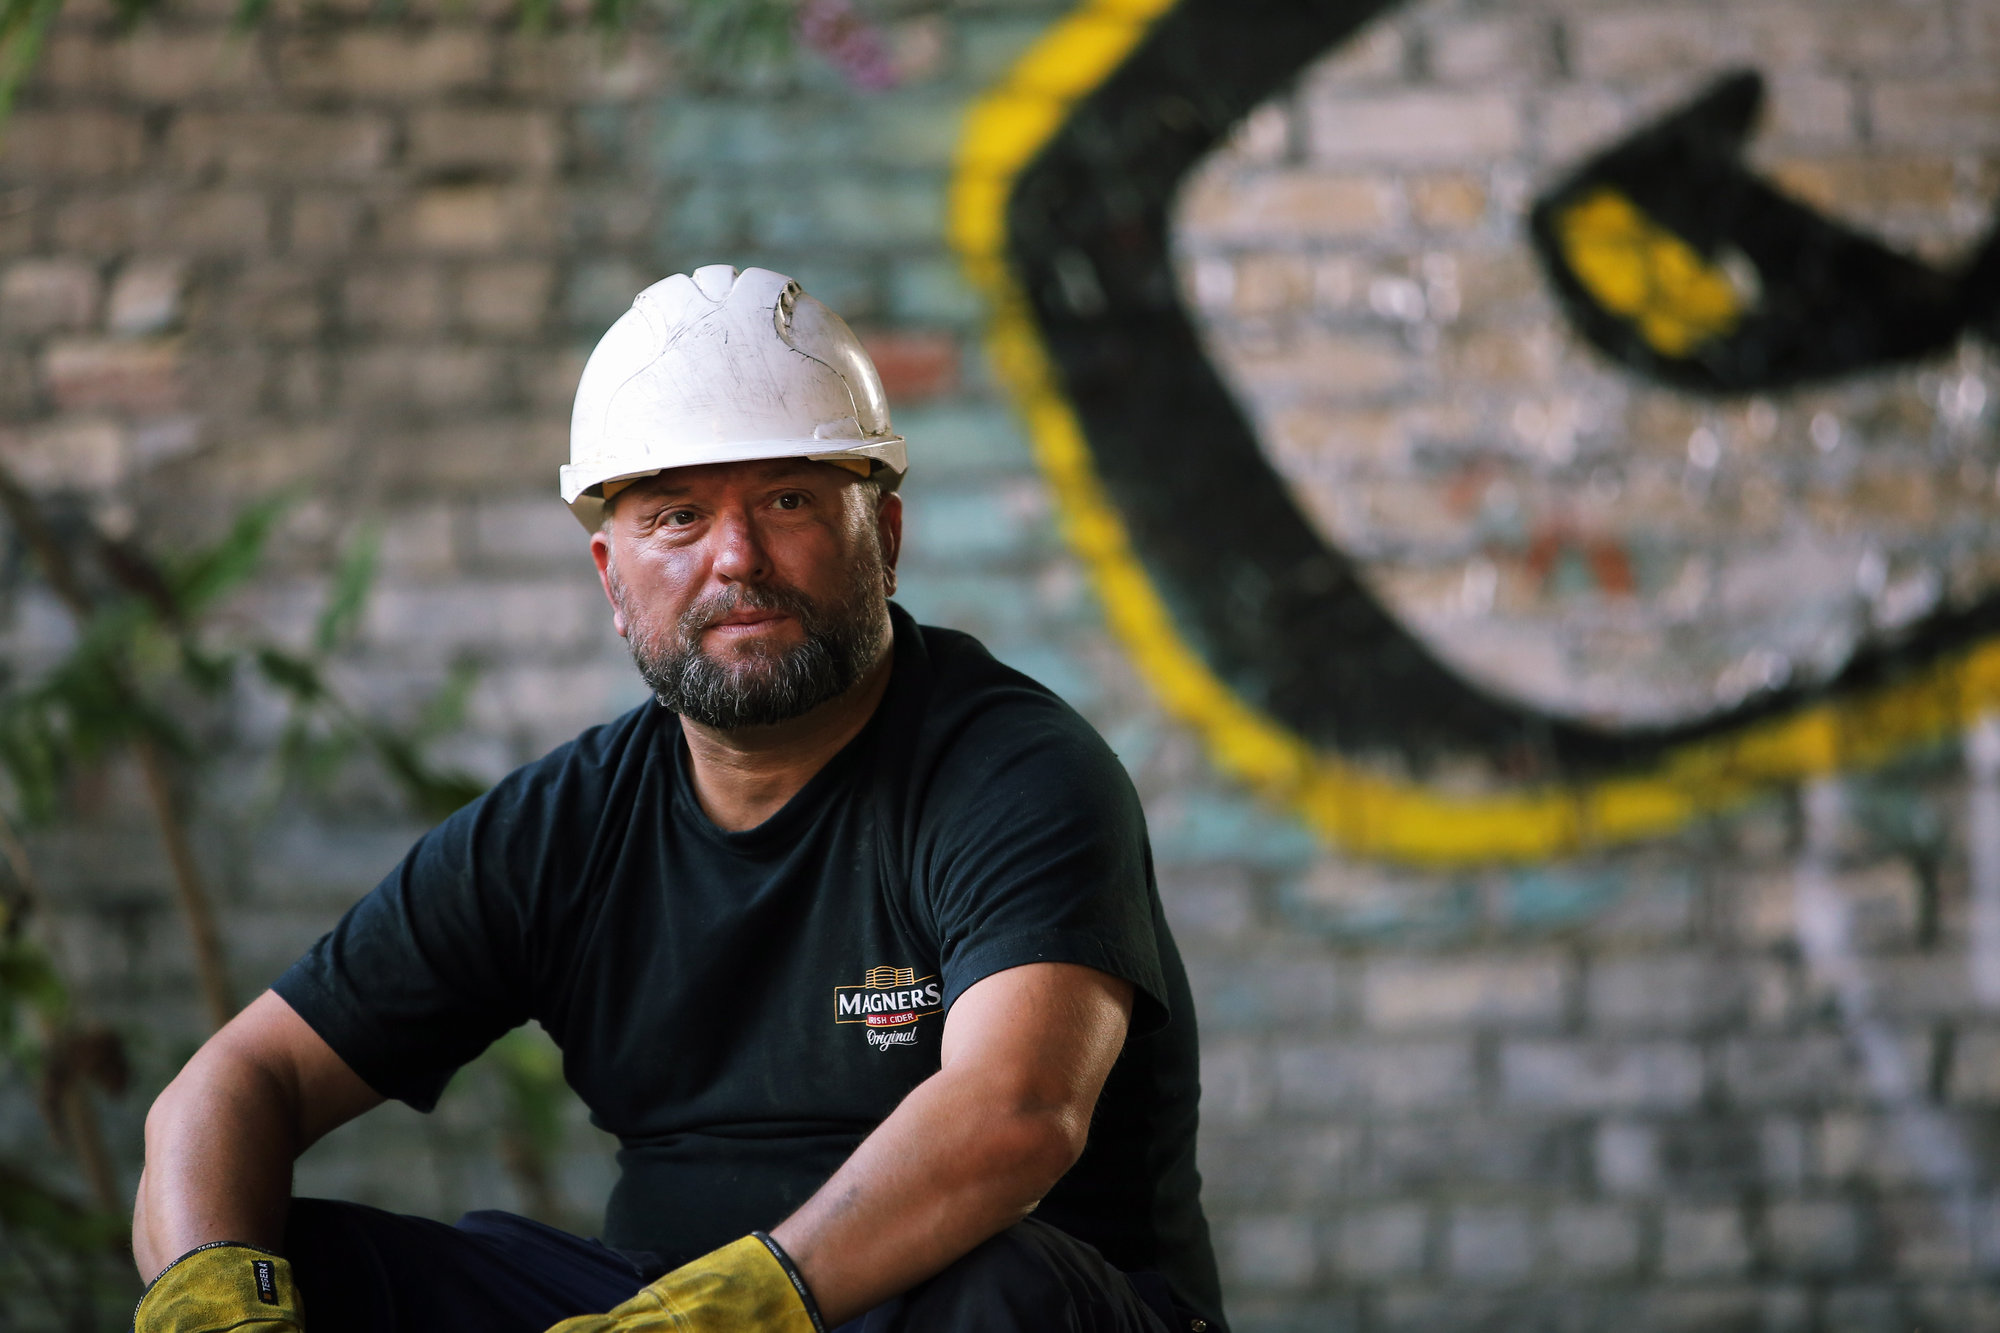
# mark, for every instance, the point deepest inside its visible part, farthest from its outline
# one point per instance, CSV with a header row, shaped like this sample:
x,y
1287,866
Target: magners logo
x,y
888,998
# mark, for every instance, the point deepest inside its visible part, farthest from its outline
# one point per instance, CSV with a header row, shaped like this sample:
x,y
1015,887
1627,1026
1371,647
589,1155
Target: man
x,y
851,939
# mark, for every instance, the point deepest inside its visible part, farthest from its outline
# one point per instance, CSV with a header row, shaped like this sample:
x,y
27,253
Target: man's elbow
x,y
230,1082
1034,1145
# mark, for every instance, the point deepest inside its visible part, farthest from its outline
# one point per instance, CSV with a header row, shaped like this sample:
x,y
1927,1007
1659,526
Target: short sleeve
x,y
461,942
1033,849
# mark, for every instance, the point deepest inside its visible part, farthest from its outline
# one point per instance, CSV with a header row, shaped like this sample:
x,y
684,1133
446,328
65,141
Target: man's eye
x,y
791,500
679,518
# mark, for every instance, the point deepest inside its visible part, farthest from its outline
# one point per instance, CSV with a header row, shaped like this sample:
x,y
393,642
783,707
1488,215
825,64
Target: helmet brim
x,y
888,459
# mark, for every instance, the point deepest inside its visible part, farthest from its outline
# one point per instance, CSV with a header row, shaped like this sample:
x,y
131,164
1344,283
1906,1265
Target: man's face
x,y
750,593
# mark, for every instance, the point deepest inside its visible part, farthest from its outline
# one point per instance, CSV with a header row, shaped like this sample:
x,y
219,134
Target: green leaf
x,y
737,33
312,759
535,15
349,593
27,976
530,1067
444,712
249,13
29,986
32,757
23,25
210,673
434,793
293,675
90,699
199,581
29,1206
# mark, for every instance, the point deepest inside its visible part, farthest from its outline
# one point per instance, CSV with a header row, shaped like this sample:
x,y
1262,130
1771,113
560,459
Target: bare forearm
x,y
220,1143
944,1172
975,1146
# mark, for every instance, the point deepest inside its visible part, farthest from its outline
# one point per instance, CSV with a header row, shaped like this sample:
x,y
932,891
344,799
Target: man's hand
x,y
220,1141
974,1147
740,1287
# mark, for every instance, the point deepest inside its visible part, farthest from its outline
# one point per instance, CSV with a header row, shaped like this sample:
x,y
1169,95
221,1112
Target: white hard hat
x,y
722,367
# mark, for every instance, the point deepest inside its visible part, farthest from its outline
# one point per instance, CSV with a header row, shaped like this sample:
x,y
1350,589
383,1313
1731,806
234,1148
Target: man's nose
x,y
739,550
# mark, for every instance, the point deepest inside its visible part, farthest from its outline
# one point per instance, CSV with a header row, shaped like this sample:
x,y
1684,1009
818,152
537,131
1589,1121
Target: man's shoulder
x,y
590,764
968,685
982,716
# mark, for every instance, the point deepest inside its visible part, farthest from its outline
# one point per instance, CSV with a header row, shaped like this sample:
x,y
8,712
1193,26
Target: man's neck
x,y
743,777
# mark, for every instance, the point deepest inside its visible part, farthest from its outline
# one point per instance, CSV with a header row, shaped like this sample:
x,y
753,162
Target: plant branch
x,y
15,853
80,1125
86,1138
46,547
211,965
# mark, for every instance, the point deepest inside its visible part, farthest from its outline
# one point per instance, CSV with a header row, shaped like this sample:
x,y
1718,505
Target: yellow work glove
x,y
221,1286
747,1286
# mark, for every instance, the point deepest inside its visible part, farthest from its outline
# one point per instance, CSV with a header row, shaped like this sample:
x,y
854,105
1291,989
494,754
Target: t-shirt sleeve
x,y
437,961
1034,850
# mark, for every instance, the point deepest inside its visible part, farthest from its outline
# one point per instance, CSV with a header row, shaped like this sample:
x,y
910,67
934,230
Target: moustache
x,y
764,597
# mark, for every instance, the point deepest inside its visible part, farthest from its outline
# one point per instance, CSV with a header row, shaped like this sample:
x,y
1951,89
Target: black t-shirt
x,y
741,1009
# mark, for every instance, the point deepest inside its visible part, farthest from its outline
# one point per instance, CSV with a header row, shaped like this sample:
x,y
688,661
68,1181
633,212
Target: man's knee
x,y
1028,1256
336,1258
363,1270
1030,1276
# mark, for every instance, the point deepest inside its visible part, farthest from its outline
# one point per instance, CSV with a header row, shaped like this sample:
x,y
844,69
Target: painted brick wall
x,y
1747,1077
1554,527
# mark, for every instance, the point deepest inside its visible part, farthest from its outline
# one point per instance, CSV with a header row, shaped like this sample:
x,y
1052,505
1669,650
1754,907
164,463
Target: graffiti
x,y
1260,631
1639,244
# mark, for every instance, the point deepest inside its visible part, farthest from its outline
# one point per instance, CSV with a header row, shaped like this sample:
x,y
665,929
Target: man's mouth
x,y
746,622
742,614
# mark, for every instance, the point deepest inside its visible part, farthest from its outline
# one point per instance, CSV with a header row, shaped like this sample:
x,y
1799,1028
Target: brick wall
x,y
1637,1088
1744,1077
1552,526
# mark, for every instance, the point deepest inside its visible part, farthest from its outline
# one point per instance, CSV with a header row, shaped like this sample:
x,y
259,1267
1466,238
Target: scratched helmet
x,y
723,367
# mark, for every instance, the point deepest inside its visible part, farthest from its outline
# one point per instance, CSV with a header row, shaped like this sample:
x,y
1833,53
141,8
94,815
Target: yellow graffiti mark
x,y
1362,811
1636,268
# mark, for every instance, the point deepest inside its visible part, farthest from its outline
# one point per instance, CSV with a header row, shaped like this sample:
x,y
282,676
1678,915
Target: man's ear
x,y
600,552
889,531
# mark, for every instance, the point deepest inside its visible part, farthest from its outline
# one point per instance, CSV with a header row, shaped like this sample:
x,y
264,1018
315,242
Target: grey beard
x,y
763,687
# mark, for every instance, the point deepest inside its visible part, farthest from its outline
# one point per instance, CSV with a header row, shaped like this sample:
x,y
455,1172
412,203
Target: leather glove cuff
x,y
219,1286
798,1282
741,1286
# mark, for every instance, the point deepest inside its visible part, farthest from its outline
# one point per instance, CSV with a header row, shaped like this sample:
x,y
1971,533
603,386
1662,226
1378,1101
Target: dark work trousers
x,y
362,1270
